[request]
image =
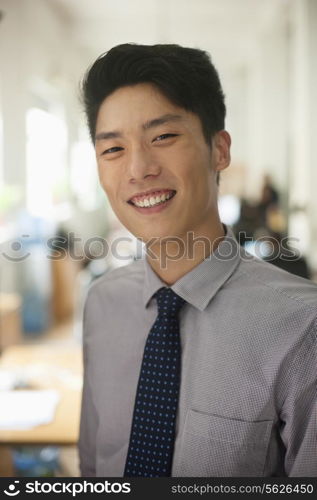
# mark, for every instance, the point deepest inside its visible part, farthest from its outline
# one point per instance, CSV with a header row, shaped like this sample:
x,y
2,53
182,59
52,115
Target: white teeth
x,y
153,200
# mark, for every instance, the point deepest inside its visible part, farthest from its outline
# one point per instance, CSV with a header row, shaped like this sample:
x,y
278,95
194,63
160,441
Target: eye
x,y
164,136
112,150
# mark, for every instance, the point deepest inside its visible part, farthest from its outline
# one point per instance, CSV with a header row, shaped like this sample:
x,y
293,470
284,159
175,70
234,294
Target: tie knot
x,y
168,302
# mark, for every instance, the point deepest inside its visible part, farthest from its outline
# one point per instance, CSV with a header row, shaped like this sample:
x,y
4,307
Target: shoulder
x,y
277,308
118,281
288,288
273,298
113,297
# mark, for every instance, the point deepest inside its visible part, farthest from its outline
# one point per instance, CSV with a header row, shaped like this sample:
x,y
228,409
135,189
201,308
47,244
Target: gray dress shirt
x,y
247,403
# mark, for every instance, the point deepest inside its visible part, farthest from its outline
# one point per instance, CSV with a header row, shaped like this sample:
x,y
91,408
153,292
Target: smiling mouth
x,y
152,200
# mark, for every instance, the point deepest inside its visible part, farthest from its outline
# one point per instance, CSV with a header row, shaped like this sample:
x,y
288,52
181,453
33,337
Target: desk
x,y
48,366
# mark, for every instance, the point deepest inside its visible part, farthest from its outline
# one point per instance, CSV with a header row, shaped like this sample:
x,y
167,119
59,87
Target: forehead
x,y
137,103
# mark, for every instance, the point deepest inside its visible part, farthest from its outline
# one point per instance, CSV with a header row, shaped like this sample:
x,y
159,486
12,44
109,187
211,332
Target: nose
x,y
141,164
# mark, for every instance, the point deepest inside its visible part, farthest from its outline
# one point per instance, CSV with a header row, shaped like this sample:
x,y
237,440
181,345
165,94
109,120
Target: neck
x,y
173,258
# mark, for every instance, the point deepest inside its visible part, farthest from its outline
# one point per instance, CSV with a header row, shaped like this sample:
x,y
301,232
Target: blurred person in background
x,y
199,360
269,198
248,222
282,255
261,229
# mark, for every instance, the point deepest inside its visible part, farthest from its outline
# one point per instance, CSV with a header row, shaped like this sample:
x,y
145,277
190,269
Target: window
x,y
46,149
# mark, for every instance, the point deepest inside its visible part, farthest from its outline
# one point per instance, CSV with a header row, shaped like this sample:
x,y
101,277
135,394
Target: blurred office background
x,y
265,51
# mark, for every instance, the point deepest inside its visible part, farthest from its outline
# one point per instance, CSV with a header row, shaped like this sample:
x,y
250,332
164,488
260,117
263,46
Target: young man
x,y
199,359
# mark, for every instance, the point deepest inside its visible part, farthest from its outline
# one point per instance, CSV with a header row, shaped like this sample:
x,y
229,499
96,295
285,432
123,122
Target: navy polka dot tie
x,y
152,436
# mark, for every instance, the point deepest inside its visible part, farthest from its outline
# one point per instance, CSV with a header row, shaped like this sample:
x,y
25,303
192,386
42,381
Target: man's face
x,y
155,165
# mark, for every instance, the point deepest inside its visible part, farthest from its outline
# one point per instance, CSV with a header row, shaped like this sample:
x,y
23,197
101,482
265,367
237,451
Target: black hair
x,y
186,76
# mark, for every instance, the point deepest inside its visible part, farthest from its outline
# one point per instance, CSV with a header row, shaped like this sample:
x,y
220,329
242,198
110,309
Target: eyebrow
x,y
161,120
102,136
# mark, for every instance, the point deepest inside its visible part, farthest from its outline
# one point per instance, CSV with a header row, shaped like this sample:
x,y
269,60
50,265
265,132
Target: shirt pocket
x,y
215,446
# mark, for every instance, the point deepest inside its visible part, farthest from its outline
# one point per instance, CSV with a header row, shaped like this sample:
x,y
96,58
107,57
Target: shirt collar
x,y
202,283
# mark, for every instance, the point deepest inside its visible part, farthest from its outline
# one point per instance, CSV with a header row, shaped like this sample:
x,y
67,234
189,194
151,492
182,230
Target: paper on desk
x,y
22,410
8,379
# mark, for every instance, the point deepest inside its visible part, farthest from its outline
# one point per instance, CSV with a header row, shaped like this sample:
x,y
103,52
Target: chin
x,y
150,238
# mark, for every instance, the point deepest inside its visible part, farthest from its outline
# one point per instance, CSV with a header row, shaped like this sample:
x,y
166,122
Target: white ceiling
x,y
228,29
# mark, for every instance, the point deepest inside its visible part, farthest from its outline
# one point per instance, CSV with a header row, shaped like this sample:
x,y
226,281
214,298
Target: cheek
x,y
105,178
197,174
111,186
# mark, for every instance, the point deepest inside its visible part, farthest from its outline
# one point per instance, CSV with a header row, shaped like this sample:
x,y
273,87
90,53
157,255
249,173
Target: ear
x,y
221,150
